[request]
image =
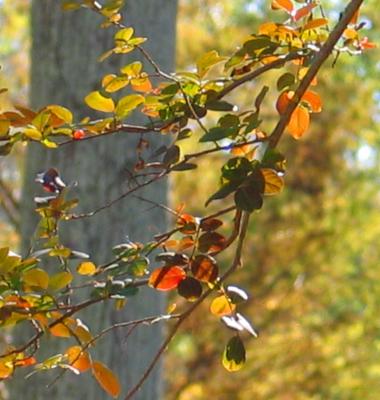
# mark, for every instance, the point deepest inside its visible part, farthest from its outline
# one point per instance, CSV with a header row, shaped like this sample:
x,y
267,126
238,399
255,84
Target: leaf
x,y
299,122
248,198
314,100
113,83
190,289
283,101
285,80
236,294
286,5
204,268
239,323
4,126
60,330
210,224
304,11
78,359
36,278
60,280
234,355
106,379
33,133
218,133
166,278
123,35
128,104
86,268
221,306
61,112
207,61
316,23
98,102
273,182
211,242
6,369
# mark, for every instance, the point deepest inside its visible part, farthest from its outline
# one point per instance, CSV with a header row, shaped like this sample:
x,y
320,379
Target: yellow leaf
x,y
86,268
6,369
36,278
122,36
61,112
33,133
60,280
78,359
273,183
128,104
221,306
98,102
106,379
4,126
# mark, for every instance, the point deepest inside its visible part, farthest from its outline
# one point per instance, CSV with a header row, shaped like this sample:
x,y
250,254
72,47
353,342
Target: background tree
x,y
65,50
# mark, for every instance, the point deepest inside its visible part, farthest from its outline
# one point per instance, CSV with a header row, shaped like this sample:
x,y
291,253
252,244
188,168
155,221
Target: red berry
x,y
79,134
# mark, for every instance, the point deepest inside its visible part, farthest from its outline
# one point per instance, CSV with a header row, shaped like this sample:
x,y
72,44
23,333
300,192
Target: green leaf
x,y
223,192
285,81
36,278
128,104
59,281
218,133
98,102
219,105
234,355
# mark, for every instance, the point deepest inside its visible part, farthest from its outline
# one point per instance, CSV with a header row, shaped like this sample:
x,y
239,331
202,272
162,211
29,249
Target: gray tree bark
x,y
64,69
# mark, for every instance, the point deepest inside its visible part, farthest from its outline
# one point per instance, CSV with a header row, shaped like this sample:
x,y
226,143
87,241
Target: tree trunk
x,y
64,69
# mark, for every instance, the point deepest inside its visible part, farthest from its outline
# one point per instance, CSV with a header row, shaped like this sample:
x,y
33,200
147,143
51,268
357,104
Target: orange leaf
x,y
314,100
316,23
304,11
166,278
78,359
299,122
106,379
25,362
286,5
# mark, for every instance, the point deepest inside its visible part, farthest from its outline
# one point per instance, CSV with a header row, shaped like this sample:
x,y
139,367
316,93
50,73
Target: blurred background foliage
x,y
312,255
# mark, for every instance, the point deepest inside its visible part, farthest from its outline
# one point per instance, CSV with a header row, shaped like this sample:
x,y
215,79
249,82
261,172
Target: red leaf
x,y
167,278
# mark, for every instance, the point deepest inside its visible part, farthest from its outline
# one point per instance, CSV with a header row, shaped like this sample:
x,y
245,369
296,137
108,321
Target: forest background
x,y
313,269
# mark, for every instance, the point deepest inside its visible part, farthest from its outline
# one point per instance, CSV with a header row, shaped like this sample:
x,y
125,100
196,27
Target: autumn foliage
x,y
185,259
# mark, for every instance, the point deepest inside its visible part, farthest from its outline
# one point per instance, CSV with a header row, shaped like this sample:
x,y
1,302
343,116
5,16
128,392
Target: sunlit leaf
x,y
98,102
299,122
166,278
221,306
304,11
207,61
86,268
61,112
128,104
314,100
106,379
273,182
286,5
78,359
